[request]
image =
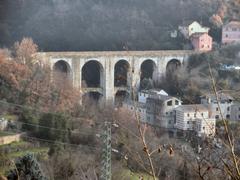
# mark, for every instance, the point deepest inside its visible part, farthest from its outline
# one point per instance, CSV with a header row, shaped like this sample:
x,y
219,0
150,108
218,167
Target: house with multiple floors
x,y
160,110
200,39
231,33
225,105
157,108
201,42
195,118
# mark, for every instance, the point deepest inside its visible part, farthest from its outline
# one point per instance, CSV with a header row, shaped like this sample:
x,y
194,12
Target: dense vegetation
x,y
100,25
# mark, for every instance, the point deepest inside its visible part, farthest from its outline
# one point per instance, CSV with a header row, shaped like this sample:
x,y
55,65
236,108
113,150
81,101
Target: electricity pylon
x,y
106,154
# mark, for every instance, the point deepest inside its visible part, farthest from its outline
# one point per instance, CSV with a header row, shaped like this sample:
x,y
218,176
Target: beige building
x,y
205,127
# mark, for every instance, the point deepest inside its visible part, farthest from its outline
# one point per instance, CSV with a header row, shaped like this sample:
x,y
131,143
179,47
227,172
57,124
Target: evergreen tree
x,y
27,168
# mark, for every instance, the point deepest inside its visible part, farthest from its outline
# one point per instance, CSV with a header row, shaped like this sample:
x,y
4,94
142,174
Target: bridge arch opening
x,y
92,75
148,67
61,71
172,67
120,97
91,98
121,73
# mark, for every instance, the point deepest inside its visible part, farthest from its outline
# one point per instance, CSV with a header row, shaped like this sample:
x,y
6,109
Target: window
x,y
139,110
202,46
203,128
195,114
226,35
228,116
238,116
169,103
169,122
188,115
171,113
239,109
202,114
176,102
216,109
217,117
228,108
166,113
187,122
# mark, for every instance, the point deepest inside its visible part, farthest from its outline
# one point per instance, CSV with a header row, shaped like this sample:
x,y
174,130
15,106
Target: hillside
x,y
99,25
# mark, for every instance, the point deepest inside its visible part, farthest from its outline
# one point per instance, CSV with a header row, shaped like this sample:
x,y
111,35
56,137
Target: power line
x,y
51,128
51,141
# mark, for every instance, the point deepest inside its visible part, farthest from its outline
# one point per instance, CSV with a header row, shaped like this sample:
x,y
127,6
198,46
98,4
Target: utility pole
x,y
106,154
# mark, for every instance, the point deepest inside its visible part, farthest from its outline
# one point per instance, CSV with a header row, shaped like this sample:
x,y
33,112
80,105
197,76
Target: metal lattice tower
x,y
106,154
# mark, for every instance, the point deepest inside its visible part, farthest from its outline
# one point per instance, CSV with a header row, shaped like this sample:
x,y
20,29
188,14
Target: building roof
x,y
192,108
233,23
188,23
221,96
155,91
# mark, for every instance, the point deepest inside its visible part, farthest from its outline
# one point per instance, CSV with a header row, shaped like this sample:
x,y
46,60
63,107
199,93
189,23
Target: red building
x,y
201,42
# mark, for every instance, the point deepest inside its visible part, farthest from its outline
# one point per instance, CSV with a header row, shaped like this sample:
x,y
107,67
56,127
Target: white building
x,y
194,118
143,95
225,103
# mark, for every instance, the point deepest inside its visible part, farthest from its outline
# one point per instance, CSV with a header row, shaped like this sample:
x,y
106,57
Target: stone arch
x,y
172,66
62,71
92,74
122,73
120,97
148,68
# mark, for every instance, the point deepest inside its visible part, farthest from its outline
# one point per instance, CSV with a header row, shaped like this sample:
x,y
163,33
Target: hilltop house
x,y
201,41
191,28
231,33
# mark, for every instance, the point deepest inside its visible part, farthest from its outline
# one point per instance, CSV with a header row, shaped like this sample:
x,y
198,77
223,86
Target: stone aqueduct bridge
x,y
138,63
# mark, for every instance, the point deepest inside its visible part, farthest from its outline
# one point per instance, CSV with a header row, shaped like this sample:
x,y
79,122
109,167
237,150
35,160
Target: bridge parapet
x,y
92,89
127,89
